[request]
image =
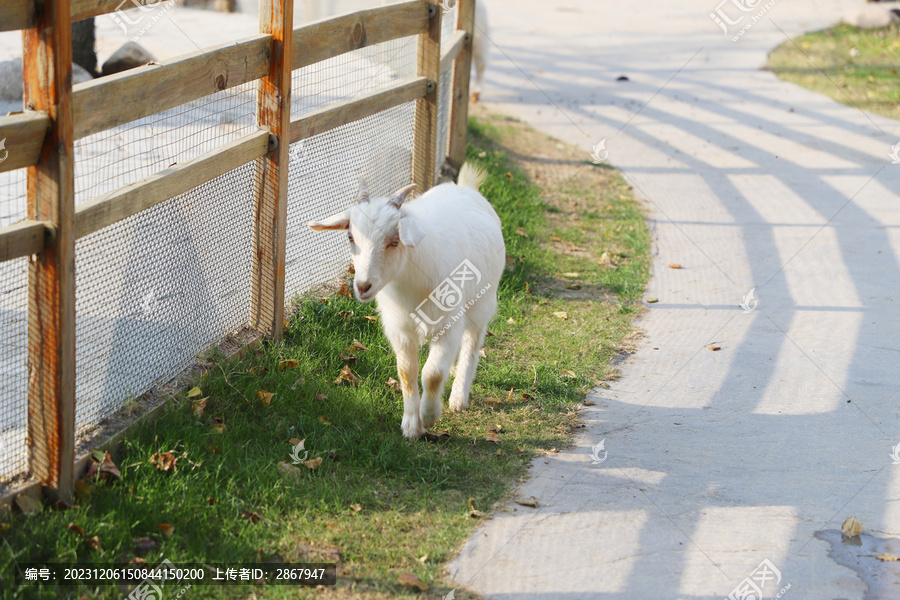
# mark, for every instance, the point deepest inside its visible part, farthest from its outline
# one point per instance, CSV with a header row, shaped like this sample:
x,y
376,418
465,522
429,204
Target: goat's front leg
x,y
408,370
434,375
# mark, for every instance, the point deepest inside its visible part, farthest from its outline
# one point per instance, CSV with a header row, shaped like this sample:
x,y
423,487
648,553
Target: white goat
x,y
480,47
433,265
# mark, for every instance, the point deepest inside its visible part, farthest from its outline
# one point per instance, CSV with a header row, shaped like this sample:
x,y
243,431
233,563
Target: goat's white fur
x,y
434,233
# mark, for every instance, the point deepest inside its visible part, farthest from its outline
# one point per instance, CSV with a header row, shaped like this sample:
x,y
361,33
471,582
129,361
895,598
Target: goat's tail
x,y
471,176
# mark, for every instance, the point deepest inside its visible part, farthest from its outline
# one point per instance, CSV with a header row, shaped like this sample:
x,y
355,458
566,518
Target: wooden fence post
x,y
47,77
459,110
276,17
428,61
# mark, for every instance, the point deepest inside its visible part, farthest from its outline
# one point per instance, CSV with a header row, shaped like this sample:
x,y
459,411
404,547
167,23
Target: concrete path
x,y
717,461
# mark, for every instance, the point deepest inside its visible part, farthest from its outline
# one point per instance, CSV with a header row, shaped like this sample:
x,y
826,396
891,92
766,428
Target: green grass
x,y
854,66
382,505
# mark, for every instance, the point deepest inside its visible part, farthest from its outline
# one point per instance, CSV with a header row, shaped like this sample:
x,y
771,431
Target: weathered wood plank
x,y
24,136
452,49
459,107
82,9
24,239
47,76
428,65
326,39
270,220
156,87
16,14
127,201
336,115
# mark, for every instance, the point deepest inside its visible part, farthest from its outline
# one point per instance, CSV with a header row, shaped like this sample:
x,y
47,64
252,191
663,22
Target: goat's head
x,y
379,230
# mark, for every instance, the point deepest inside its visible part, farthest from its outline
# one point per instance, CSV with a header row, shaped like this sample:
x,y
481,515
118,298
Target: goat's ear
x,y
411,233
338,221
400,195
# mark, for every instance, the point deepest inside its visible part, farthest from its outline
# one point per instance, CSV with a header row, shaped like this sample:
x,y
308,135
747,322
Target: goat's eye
x,y
394,242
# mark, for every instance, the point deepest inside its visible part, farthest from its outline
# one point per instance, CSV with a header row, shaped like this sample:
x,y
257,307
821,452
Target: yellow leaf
x,y
511,321
264,396
199,406
495,428
492,400
371,318
571,275
348,376
674,266
413,581
887,558
325,420
164,461
568,373
473,512
423,559
167,529
356,507
851,527
509,396
652,300
562,315
713,348
313,463
194,392
288,364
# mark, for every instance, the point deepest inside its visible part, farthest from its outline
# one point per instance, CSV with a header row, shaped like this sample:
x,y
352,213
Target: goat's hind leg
x,y
466,364
434,375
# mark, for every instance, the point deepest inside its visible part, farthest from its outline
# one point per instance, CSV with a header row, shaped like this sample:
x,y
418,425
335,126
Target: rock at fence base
x,y
129,56
871,17
11,79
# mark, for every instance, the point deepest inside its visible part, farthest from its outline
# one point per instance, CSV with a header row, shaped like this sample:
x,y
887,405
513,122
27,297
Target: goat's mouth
x,y
367,297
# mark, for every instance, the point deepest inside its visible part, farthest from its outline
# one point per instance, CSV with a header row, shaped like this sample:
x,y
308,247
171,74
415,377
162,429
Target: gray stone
x,y
871,17
11,79
129,56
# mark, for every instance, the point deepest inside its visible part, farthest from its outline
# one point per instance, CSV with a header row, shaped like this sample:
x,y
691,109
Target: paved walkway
x,y
720,460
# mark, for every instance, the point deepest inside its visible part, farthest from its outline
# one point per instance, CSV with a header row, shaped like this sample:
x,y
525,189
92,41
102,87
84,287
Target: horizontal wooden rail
x,y
327,39
130,95
127,201
366,105
454,47
24,239
24,134
16,14
82,9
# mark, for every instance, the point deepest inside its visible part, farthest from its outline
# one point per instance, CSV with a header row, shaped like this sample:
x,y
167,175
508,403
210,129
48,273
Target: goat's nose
x,y
363,286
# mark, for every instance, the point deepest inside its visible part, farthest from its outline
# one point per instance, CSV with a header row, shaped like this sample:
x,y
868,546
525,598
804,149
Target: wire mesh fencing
x,y
158,288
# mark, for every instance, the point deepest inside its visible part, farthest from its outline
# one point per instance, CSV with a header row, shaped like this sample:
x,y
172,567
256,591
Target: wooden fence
x,y
42,140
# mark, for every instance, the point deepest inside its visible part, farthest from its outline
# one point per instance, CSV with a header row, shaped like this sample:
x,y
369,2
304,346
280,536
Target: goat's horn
x,y
401,194
363,195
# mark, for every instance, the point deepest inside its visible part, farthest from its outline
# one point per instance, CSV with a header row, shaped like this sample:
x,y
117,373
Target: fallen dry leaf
x,y
492,437
264,397
562,315
473,512
194,392
75,528
652,300
94,544
492,400
887,557
713,348
198,406
411,580
372,318
324,420
588,402
568,373
851,527
674,266
215,449
521,231
527,396
166,529
348,376
345,315
393,384
218,428
520,450
321,397
482,353
108,468
356,507
344,291
509,396
295,441
253,516
606,261
348,358
211,501
495,428
312,463
530,501
571,275
260,371
164,461
358,346
289,363
423,559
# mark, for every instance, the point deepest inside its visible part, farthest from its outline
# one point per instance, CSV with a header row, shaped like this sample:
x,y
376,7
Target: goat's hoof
x,y
412,428
457,405
429,418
